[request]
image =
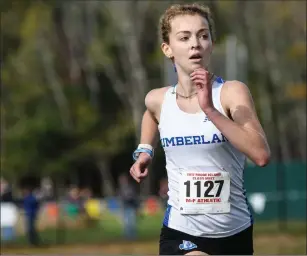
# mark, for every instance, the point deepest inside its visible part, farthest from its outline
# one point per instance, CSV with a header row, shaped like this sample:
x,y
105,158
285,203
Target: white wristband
x,y
147,146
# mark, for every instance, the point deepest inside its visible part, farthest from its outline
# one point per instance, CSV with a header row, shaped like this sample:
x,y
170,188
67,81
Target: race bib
x,y
204,192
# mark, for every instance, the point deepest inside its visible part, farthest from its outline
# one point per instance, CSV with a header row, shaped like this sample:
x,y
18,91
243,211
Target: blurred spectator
x,y
130,204
86,194
6,191
47,188
91,207
31,209
73,195
75,204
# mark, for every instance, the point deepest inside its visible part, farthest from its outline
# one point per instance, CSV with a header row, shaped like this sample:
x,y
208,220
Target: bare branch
x,y
53,82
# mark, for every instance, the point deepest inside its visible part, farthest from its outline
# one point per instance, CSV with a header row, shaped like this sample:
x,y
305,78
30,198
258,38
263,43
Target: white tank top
x,y
193,141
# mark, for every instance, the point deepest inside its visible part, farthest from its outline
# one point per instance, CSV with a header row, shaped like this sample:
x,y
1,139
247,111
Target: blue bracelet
x,y
137,152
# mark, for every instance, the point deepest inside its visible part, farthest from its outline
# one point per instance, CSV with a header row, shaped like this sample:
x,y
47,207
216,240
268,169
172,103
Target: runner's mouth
x,y
196,57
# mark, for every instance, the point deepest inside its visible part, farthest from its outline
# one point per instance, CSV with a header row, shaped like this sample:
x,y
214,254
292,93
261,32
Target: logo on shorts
x,y
187,245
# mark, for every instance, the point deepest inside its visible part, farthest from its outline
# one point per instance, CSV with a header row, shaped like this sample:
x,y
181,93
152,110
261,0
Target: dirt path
x,y
265,244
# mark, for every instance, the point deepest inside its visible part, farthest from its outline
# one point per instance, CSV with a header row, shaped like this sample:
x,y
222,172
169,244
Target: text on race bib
x,y
204,192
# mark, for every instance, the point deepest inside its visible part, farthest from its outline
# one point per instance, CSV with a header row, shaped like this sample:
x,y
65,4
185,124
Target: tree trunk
x,y
53,82
130,58
106,177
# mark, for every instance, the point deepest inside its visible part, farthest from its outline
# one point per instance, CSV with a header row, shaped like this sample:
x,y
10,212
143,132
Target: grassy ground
x,y
105,238
281,244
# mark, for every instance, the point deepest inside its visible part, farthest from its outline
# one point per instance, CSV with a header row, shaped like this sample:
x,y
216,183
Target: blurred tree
x,y
127,30
271,39
48,124
75,75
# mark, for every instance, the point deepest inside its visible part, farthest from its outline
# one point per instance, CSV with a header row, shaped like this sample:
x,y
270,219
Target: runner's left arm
x,y
243,129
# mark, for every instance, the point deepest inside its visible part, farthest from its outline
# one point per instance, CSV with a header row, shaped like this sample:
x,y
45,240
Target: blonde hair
x,y
184,9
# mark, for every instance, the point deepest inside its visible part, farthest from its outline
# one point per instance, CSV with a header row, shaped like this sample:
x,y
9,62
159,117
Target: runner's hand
x,y
202,80
139,169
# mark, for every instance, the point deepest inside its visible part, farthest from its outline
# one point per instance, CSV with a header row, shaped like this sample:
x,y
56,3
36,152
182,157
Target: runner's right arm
x,y
149,132
151,117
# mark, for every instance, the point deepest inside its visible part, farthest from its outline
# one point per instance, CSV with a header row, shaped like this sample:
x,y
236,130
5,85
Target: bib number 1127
x,y
204,192
208,185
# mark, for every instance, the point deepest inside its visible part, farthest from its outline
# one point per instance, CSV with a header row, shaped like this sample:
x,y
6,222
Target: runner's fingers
x,y
134,174
201,77
145,173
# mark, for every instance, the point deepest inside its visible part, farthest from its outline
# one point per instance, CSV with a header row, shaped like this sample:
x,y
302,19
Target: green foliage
x,y
35,140
53,116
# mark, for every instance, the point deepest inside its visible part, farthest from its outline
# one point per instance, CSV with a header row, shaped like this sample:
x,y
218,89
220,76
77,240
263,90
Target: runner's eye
x,y
184,38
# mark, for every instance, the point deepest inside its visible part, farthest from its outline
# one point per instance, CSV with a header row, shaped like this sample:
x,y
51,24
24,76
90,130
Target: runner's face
x,y
190,42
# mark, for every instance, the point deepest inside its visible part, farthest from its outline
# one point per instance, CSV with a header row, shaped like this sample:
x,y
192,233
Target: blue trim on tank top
x,y
167,214
219,80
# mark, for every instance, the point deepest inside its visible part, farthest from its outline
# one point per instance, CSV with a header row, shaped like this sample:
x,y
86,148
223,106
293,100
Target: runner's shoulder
x,y
154,98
